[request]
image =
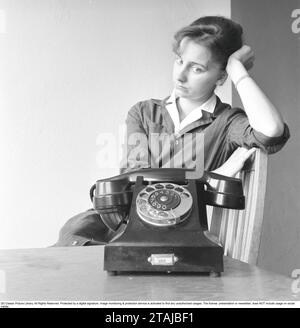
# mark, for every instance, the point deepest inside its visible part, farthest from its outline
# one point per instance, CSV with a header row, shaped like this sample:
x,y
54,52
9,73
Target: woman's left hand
x,y
244,55
235,162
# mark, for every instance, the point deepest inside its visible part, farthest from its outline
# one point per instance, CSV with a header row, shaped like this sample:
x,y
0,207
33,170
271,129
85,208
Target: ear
x,y
222,78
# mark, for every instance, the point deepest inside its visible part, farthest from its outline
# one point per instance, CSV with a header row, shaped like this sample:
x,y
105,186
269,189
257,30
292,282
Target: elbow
x,y
277,130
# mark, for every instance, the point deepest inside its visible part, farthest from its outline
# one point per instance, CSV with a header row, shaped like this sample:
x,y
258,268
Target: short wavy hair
x,y
220,35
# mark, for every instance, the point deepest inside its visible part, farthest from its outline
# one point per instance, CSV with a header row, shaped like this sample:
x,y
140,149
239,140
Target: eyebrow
x,y
194,63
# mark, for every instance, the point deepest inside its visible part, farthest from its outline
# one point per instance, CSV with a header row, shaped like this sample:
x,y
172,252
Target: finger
x,y
249,53
246,48
246,51
248,57
249,61
248,153
242,150
239,151
242,52
249,66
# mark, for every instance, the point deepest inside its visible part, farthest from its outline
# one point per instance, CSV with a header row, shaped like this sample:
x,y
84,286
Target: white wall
x,y
70,70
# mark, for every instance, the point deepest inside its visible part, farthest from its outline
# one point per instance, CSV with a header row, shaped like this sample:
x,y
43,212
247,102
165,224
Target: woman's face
x,y
195,73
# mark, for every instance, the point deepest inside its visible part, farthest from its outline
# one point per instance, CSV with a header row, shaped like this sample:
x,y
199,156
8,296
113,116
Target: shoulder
x,y
144,109
148,104
225,112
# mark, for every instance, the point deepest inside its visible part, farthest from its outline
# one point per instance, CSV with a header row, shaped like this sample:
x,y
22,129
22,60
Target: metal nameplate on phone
x,y
162,259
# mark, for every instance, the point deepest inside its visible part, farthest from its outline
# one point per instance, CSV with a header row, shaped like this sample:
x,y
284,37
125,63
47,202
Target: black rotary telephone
x,y
163,211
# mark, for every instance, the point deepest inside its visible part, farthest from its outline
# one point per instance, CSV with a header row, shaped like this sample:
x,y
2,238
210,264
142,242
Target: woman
x,y
206,53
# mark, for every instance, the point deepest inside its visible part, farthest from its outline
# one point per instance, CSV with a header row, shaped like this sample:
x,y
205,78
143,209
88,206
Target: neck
x,y
186,106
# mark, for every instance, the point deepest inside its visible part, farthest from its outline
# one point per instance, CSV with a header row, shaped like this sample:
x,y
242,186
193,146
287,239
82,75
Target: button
x,y
163,214
143,194
179,189
169,186
142,201
185,195
143,208
176,142
159,186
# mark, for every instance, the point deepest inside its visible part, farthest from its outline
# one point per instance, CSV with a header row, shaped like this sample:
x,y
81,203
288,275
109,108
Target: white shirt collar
x,y
196,114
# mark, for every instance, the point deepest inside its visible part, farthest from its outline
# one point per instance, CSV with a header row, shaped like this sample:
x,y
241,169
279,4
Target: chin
x,y
182,93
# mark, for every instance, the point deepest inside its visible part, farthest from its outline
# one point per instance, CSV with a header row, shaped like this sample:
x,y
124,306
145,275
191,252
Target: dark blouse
x,y
224,130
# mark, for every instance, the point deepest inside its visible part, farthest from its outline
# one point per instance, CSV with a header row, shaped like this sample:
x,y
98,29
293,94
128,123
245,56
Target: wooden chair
x,y
239,231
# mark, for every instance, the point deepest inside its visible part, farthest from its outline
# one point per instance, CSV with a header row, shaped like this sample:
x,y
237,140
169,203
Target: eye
x,y
197,69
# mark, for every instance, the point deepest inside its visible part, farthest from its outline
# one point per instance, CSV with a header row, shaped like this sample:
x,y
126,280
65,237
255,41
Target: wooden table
x,y
76,274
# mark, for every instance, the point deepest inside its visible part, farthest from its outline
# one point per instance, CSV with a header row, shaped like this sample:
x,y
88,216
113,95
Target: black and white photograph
x,y
150,156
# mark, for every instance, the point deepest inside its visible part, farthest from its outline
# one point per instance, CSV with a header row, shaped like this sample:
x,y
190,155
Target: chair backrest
x,y
239,231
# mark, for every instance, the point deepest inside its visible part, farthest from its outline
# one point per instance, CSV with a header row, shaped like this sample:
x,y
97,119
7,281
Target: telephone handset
x,y
164,215
164,193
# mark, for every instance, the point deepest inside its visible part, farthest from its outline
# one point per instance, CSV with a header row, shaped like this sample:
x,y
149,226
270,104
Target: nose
x,y
181,74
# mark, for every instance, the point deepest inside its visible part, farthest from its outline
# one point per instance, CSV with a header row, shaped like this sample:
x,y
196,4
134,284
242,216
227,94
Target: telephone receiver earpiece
x,y
223,191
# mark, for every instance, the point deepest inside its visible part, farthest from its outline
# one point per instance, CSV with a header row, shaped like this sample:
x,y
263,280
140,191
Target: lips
x,y
180,87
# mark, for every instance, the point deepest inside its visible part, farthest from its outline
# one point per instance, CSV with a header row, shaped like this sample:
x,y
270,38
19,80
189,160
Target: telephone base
x,y
195,255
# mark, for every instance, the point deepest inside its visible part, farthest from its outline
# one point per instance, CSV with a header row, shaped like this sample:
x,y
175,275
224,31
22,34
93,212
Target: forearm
x,y
262,114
